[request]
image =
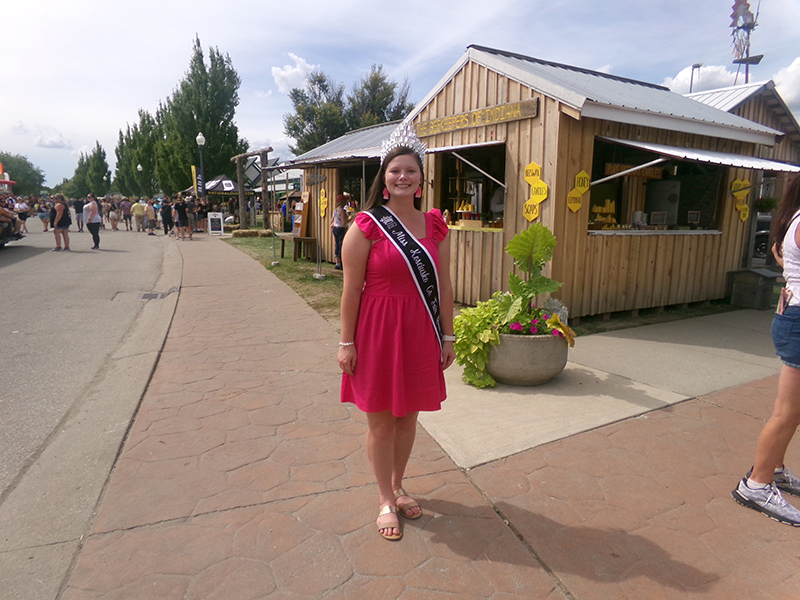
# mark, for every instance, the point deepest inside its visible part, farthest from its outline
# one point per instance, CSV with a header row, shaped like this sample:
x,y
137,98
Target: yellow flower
x,y
555,323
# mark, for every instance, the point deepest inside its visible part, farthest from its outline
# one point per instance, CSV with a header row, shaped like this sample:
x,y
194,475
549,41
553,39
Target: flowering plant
x,y
513,312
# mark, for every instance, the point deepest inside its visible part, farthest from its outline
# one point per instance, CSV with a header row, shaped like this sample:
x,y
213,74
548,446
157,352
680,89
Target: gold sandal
x,y
387,519
404,507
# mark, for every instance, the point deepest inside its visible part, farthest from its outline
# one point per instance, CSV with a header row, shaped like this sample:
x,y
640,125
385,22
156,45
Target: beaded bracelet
x,y
345,344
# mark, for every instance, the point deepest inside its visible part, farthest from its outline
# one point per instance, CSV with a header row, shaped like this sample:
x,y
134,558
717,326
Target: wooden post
x,y
243,223
265,206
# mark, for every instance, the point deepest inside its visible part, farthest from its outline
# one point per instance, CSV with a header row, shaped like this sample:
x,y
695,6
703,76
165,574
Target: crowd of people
x,y
180,217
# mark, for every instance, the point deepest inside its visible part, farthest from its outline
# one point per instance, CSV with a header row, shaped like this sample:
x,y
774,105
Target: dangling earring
x,y
418,193
385,194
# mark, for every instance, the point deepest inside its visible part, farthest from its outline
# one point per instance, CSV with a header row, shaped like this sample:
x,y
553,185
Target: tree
x,y
92,174
137,147
29,178
319,113
204,101
377,100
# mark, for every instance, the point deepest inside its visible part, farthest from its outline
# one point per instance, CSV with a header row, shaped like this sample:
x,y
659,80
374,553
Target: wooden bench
x,y
303,246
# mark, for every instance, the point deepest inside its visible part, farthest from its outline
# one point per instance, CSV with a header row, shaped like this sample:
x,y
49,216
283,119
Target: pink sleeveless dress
x,y
399,364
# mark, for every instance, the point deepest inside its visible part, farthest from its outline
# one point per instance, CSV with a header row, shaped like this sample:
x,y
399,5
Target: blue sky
x,y
77,72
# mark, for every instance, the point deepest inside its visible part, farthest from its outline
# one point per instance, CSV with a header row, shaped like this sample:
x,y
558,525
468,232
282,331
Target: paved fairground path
x,y
243,477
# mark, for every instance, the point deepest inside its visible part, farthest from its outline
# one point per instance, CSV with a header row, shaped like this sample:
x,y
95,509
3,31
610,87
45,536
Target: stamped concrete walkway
x,y
243,477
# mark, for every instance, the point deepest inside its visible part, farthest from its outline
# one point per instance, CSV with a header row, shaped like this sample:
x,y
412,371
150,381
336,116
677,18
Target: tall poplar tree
x,y
204,101
137,147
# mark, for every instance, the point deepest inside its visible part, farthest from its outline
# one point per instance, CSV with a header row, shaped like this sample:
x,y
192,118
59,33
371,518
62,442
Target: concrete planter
x,y
527,359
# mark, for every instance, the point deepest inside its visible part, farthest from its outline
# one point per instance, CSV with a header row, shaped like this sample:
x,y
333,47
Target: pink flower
x,y
556,332
535,321
517,326
534,330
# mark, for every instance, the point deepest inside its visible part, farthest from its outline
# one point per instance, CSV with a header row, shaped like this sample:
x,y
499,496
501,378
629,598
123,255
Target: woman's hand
x,y
347,357
448,354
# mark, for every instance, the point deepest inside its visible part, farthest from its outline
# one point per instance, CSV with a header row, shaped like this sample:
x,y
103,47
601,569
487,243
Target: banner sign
x,y
503,113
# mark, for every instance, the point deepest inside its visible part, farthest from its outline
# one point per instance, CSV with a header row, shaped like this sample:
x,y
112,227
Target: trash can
x,y
753,288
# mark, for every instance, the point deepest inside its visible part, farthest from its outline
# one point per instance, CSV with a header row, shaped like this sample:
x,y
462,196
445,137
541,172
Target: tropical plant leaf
x,y
532,247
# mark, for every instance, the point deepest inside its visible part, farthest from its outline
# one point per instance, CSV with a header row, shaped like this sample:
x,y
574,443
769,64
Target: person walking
x,y
43,212
166,216
339,228
761,488
396,338
150,217
60,220
125,207
23,212
94,219
77,206
137,210
181,217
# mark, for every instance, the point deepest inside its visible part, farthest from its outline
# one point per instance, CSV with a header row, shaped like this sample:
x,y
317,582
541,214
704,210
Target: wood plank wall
x,y
600,273
609,273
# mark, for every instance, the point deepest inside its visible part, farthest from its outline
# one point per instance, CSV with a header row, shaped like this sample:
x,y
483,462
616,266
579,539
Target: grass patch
x,y
323,295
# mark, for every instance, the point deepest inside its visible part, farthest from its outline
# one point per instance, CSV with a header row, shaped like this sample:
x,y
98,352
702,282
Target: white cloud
x,y
20,128
705,78
50,138
289,77
787,81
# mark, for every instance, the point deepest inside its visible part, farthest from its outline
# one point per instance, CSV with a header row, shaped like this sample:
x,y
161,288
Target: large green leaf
x,y
532,247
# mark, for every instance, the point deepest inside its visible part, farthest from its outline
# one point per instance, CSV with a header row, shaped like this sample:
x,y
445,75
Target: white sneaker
x,y
767,501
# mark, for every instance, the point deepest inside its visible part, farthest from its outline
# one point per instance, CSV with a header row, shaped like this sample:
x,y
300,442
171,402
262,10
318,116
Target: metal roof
x,y
613,98
355,145
708,156
728,98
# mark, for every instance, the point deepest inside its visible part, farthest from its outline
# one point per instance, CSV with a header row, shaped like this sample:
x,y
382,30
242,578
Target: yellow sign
x,y
575,200
582,181
744,212
739,188
532,173
530,210
503,113
323,202
539,191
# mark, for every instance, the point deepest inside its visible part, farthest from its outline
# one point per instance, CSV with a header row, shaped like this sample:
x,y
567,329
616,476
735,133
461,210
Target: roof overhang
x,y
333,160
707,156
465,146
675,123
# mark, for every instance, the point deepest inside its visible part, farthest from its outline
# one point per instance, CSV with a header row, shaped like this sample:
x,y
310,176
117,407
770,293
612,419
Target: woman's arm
x,y
355,252
92,211
446,300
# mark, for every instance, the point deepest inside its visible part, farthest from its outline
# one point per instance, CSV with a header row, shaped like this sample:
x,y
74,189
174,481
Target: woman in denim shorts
x,y
761,488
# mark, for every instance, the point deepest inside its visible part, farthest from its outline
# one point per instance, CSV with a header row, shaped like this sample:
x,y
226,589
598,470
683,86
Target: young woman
x,y
60,220
94,219
390,352
761,488
339,228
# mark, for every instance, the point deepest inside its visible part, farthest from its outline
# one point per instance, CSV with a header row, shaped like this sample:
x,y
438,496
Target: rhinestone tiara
x,y
404,136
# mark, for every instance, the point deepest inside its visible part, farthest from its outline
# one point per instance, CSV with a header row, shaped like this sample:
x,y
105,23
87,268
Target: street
x,y
74,326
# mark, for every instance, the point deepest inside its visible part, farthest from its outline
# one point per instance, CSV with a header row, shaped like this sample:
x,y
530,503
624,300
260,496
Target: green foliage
x,y
204,101
479,328
29,178
321,113
137,147
376,100
476,331
89,175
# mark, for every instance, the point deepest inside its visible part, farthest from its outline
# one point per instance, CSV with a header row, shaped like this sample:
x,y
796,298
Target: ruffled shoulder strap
x,y
439,229
368,227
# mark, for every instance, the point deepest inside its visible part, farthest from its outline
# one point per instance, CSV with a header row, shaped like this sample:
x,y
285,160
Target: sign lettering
x,y
502,113
582,182
575,200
